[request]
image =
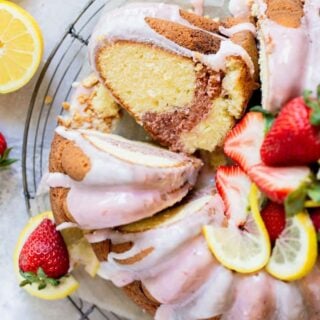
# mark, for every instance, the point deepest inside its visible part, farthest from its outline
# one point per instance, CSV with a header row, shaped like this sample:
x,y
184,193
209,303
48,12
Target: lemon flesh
x,y
295,251
80,250
67,284
21,47
245,249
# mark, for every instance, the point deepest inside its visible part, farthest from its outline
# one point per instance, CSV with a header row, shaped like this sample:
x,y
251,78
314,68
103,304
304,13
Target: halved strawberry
x,y
234,187
278,182
244,141
274,218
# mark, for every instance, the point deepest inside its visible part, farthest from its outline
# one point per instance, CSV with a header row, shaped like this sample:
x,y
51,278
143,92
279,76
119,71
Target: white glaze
x,y
128,23
245,26
198,6
127,180
212,299
289,57
253,298
312,66
165,240
239,8
182,276
289,301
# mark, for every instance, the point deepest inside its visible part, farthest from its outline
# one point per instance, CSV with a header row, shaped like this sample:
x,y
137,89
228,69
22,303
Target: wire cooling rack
x,y
66,63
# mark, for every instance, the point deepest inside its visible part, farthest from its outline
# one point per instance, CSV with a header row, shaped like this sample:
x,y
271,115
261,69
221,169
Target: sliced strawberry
x,y
244,141
278,182
234,187
292,139
274,218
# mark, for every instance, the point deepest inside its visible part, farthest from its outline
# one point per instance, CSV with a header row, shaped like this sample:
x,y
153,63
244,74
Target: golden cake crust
x,y
200,22
192,39
288,13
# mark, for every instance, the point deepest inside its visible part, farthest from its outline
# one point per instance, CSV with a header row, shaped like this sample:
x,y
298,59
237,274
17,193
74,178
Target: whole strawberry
x,y
274,218
4,153
294,138
44,256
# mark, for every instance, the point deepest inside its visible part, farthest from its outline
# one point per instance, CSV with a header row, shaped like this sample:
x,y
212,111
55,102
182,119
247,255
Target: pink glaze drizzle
x,y
128,23
118,190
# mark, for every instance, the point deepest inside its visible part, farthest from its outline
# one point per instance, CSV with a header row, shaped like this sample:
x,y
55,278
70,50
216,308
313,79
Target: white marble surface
x,y
15,304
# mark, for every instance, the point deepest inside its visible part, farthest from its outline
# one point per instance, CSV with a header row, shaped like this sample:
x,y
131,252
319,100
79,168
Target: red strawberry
x,y
4,153
43,255
3,144
292,140
277,183
244,141
234,187
274,218
315,217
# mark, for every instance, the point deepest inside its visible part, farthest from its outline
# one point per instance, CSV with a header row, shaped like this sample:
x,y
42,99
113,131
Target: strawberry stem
x,y
39,278
5,161
314,104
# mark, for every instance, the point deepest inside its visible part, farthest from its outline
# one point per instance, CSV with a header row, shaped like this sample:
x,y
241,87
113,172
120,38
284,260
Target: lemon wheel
x,y
295,251
245,249
21,47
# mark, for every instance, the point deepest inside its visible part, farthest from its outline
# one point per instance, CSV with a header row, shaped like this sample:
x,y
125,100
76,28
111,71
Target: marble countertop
x,y
16,304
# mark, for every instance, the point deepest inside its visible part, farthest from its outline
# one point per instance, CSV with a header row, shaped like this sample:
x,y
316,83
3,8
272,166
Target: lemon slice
x,y
21,47
295,251
245,249
80,250
67,284
311,204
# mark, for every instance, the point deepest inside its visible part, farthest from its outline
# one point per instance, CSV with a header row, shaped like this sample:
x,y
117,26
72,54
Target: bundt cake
x,y
91,107
145,210
94,176
184,78
288,32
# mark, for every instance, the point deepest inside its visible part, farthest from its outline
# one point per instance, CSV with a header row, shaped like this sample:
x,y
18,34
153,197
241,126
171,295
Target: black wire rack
x,y
66,64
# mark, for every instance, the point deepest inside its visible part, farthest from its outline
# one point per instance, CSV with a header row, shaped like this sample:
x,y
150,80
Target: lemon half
x,y
21,47
245,249
67,284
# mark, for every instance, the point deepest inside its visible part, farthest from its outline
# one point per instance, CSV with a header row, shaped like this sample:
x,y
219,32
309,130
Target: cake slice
x,y
102,180
288,32
181,78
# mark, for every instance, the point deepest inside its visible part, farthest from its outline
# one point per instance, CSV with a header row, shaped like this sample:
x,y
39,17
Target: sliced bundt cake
x,y
288,32
176,73
102,180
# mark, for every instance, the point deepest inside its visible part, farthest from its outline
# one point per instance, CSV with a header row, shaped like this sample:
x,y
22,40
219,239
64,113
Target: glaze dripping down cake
x,y
184,78
90,170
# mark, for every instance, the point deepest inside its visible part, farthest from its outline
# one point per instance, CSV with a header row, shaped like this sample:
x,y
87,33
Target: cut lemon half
x,y
80,250
295,251
67,284
21,47
245,249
